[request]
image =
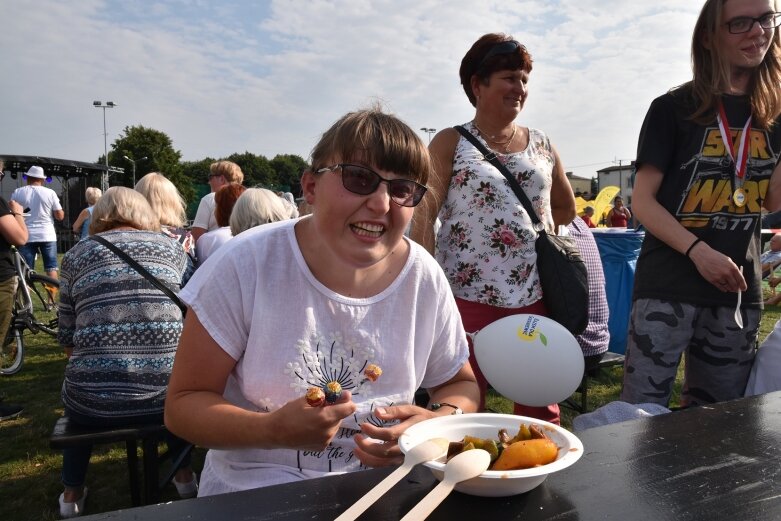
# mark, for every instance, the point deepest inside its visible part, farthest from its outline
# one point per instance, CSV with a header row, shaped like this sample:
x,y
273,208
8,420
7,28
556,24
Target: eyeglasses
x,y
500,48
364,181
743,24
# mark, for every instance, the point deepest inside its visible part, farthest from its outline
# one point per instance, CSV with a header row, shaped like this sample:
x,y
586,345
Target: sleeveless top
x,y
85,224
486,242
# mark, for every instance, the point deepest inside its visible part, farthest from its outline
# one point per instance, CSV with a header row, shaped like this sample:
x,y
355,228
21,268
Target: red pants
x,y
476,316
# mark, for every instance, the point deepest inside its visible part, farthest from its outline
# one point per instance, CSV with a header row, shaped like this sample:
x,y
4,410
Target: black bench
x,y
69,434
609,359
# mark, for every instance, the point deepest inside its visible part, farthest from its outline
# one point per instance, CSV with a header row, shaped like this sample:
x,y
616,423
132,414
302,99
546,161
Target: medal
x,y
739,197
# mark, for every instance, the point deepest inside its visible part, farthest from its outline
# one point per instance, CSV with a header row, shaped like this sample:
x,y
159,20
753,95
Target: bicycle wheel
x,y
44,292
12,352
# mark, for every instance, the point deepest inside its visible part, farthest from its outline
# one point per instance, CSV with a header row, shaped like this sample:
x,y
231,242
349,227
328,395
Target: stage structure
x,y
59,176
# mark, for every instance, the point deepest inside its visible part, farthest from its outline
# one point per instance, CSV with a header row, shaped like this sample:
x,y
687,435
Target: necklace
x,y
492,140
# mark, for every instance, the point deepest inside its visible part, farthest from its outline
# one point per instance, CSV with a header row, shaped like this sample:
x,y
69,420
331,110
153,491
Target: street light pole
x,y
134,168
107,105
428,131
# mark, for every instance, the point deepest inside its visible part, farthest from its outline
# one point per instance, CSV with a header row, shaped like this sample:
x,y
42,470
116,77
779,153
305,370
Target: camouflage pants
x,y
718,354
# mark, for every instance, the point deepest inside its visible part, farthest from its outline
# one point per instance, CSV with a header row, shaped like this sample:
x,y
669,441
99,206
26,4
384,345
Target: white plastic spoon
x,y
467,465
738,316
422,452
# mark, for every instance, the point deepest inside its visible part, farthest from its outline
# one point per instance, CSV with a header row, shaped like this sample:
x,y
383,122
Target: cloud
x,y
270,78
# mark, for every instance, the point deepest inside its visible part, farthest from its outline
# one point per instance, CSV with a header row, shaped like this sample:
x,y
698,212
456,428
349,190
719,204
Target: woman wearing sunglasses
x,y
486,241
326,301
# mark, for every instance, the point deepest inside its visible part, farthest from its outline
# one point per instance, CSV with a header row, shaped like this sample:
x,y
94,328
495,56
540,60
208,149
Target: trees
x,y
257,169
282,173
157,147
288,168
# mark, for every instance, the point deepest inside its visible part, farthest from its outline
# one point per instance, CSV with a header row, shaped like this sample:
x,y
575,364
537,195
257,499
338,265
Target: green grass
x,y
30,470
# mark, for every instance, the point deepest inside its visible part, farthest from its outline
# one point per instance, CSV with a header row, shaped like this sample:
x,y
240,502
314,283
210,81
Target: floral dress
x,y
486,242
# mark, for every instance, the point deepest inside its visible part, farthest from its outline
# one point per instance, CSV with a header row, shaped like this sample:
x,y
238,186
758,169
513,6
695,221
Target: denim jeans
x,y
75,460
48,252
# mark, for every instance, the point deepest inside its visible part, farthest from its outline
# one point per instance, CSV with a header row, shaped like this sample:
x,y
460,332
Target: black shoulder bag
x,y
562,272
141,270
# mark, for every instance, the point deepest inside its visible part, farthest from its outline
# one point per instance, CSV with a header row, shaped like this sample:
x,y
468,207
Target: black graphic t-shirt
x,y
699,180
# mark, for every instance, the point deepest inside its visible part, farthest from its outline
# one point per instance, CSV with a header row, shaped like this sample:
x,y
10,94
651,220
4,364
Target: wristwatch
x,y
437,406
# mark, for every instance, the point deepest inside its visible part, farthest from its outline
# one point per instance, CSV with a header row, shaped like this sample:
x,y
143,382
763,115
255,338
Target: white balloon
x,y
530,359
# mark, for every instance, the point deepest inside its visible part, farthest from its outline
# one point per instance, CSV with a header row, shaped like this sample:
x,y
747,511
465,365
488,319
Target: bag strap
x,y
141,270
490,156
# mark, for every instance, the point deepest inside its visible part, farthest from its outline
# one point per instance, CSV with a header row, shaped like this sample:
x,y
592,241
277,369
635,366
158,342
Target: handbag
x,y
142,271
561,269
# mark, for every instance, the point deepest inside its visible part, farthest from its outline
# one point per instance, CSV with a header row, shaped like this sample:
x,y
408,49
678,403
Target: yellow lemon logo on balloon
x,y
528,332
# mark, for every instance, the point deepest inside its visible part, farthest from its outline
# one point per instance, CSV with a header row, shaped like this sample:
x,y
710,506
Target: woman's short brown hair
x,y
120,206
374,138
224,200
475,63
229,170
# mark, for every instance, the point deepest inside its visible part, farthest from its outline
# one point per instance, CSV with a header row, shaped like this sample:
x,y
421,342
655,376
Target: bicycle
x,y
35,310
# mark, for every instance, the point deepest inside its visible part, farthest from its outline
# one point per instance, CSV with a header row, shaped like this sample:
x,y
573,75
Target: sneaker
x,y
75,509
9,411
187,490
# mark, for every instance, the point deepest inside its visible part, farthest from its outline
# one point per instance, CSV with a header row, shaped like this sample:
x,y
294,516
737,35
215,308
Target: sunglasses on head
x,y
364,181
499,48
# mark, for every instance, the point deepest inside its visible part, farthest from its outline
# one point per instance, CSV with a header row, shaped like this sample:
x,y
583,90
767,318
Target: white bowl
x,y
493,483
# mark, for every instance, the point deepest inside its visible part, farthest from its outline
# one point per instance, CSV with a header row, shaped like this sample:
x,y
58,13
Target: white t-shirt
x,y
42,202
204,217
288,332
210,241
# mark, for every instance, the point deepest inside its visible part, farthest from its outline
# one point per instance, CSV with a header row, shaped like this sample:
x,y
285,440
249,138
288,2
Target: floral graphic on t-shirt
x,y
458,238
465,273
332,359
505,238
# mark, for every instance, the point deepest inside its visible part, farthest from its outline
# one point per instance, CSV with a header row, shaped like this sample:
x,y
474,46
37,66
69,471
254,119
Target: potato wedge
x,y
527,454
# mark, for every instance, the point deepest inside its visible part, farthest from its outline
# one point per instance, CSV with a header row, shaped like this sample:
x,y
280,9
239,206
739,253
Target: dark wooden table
x,y
720,462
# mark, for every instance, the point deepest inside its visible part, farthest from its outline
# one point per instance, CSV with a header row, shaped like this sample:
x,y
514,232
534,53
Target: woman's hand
x,y
303,427
374,454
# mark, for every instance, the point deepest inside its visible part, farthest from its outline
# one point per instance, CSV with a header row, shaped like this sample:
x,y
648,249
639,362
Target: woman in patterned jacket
x,y
119,331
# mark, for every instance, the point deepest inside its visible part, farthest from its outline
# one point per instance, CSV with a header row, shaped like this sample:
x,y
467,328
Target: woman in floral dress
x,y
486,240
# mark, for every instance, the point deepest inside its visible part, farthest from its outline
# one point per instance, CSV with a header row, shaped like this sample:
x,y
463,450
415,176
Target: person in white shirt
x,y
330,299
225,198
221,173
44,207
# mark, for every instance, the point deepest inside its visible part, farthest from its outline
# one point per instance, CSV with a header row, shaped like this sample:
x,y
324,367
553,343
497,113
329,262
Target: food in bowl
x,y
530,447
494,483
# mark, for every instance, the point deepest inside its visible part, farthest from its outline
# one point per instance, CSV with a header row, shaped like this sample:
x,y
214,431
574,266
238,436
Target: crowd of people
x,y
398,251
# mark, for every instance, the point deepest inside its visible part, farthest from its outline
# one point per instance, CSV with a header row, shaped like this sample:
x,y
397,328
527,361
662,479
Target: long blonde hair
x,y
711,74
166,201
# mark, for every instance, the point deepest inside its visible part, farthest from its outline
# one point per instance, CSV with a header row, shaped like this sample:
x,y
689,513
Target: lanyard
x,y
739,196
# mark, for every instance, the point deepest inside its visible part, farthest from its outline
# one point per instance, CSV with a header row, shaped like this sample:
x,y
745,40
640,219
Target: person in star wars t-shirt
x,y
706,165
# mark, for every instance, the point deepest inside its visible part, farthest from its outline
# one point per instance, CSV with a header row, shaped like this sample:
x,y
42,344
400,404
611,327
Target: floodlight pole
x,y
428,131
134,168
101,105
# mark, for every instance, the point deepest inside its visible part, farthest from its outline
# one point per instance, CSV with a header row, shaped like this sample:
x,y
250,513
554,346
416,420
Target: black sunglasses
x,y
499,48
364,181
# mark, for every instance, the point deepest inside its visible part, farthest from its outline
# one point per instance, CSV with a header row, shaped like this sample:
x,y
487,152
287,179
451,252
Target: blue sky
x,y
270,77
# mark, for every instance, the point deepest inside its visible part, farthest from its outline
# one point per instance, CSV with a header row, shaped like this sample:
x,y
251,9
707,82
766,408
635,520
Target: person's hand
x,y
300,426
773,281
15,207
717,268
386,453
